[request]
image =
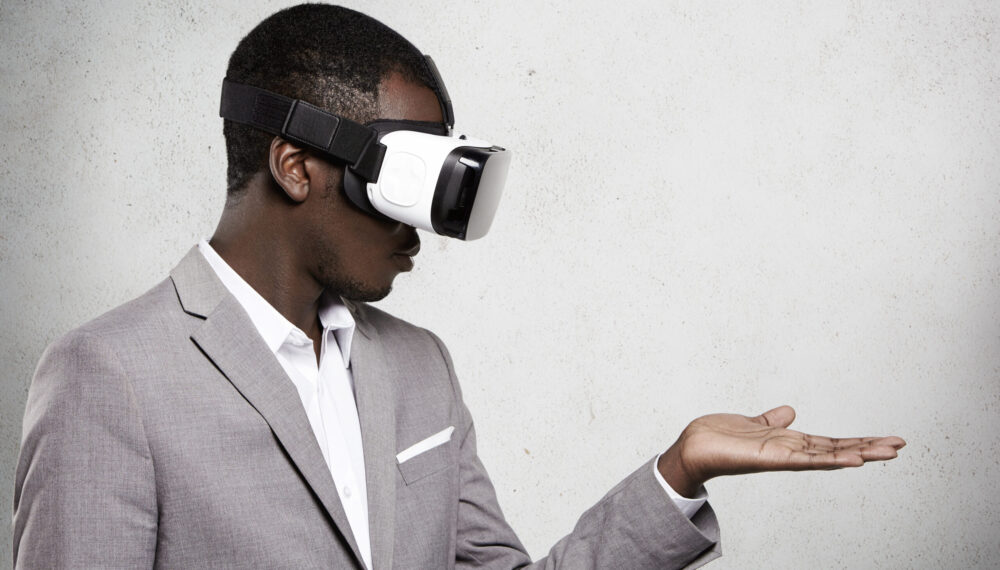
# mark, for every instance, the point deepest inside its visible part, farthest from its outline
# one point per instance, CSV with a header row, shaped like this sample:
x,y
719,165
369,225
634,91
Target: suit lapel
x,y
229,339
375,396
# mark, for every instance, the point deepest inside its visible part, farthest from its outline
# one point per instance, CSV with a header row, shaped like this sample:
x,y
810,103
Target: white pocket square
x,y
440,438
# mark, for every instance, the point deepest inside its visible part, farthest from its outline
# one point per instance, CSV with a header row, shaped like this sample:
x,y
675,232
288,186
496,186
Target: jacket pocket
x,y
427,463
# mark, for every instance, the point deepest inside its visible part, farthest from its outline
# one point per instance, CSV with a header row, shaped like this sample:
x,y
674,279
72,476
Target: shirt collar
x,y
335,316
273,327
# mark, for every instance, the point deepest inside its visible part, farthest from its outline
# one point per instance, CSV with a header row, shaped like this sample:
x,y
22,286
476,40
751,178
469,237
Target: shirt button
x,y
347,492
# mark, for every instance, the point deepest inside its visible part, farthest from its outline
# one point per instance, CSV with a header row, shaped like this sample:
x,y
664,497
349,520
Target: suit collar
x,y
198,288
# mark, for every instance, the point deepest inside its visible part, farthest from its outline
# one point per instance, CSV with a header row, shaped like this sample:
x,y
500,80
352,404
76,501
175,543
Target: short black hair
x,y
330,56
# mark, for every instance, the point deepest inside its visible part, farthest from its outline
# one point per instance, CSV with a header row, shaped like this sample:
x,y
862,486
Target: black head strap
x,y
305,124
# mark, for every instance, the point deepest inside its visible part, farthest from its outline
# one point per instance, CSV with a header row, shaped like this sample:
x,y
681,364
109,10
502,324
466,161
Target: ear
x,y
288,167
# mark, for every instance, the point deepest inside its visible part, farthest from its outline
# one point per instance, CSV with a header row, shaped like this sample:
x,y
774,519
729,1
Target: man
x,y
252,411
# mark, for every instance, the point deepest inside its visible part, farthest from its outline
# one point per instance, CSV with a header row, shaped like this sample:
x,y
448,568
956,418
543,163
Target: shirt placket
x,y
343,435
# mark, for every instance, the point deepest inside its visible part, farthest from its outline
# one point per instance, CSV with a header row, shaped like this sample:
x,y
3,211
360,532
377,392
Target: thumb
x,y
782,416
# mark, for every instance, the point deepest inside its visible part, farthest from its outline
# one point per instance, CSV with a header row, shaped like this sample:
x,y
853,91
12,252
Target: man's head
x,y
285,202
332,57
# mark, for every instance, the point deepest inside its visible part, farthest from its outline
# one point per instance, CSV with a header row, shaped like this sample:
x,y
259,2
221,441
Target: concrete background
x,y
715,206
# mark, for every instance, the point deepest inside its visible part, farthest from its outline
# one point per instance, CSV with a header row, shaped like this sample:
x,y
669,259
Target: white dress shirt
x,y
327,392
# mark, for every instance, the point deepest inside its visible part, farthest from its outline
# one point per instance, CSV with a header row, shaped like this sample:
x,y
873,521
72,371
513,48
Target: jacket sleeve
x,y
85,494
635,526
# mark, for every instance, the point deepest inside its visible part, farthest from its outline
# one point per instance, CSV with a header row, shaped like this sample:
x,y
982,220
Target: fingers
x,y
812,442
855,456
803,461
781,417
893,441
878,453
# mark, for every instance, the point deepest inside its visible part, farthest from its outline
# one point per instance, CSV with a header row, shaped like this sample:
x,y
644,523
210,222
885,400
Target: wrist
x,y
677,473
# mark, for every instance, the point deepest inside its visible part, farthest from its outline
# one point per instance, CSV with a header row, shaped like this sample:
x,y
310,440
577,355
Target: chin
x,y
363,293
368,296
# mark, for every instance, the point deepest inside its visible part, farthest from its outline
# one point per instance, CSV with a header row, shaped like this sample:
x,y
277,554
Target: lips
x,y
410,251
403,262
404,257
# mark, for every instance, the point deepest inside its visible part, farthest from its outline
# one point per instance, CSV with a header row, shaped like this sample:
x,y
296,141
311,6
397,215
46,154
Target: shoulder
x,y
371,318
149,311
93,350
382,321
82,377
421,347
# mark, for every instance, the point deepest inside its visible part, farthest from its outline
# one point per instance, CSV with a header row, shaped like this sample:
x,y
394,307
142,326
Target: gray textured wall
x,y
715,206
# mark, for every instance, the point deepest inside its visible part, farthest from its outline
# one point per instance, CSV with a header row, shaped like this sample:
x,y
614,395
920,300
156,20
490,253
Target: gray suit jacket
x,y
165,434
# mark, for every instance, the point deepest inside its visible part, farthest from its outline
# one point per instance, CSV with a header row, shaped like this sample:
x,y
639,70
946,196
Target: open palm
x,y
730,444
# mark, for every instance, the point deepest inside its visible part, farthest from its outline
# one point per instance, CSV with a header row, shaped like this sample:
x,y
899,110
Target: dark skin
x,y
731,444
294,235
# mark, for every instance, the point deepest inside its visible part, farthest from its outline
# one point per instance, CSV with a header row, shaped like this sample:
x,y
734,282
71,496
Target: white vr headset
x,y
413,172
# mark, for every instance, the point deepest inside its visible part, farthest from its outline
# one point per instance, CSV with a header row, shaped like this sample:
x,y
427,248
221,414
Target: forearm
x,y
637,526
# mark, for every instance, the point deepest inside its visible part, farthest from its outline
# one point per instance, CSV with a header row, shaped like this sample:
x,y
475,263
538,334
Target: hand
x,y
731,444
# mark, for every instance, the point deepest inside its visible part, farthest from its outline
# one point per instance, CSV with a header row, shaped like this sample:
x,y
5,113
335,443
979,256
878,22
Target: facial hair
x,y
331,271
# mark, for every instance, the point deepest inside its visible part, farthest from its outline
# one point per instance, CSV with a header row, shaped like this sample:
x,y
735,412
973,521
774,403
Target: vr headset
x,y
413,172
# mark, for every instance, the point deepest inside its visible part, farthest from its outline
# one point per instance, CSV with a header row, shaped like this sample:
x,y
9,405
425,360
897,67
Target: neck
x,y
252,243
